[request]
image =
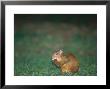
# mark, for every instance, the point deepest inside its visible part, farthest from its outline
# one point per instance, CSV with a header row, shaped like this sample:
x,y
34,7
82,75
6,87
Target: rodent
x,y
68,63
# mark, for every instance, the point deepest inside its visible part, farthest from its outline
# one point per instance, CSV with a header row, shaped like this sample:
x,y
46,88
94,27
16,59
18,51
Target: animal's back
x,y
72,58
72,65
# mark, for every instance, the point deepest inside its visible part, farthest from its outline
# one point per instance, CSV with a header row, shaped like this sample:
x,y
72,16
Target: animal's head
x,y
56,57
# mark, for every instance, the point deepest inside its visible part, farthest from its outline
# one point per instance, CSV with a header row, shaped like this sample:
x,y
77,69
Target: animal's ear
x,y
60,51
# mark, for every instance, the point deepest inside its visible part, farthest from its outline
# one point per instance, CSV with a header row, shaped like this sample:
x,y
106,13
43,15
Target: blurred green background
x,y
37,36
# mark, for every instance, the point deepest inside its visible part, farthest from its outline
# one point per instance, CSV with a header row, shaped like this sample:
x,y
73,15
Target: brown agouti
x,y
67,62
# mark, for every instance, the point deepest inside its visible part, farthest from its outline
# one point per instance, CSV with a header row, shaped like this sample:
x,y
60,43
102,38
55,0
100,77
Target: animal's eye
x,y
56,53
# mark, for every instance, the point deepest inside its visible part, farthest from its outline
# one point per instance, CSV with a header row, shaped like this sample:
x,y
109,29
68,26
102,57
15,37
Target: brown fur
x,y
67,62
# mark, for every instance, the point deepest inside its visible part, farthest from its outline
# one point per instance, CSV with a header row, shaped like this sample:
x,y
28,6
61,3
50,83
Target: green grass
x,y
35,43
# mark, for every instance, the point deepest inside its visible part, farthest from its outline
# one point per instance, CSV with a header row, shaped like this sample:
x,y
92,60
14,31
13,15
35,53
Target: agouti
x,y
68,63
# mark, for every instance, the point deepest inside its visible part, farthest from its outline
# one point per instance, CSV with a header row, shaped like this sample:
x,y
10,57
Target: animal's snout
x,y
54,60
